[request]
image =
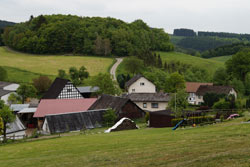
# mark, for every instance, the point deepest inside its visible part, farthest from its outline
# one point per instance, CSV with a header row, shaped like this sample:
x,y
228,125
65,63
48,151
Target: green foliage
x,y
238,65
220,76
85,35
175,82
105,83
248,103
3,74
62,74
178,102
158,77
133,65
25,91
109,117
247,84
14,99
42,84
77,76
147,117
122,79
221,104
7,116
184,32
211,98
238,85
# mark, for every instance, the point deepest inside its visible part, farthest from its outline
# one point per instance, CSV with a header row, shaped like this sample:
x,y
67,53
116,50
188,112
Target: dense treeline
x,y
4,24
85,35
225,50
204,43
184,32
224,35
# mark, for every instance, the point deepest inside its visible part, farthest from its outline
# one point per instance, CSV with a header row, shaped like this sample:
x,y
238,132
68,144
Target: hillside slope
x,y
50,64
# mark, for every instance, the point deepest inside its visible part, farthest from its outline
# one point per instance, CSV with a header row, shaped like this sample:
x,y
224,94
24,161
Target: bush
x,y
147,117
109,117
42,84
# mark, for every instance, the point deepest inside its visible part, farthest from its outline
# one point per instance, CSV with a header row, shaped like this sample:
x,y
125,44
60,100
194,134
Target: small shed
x,y
73,121
159,119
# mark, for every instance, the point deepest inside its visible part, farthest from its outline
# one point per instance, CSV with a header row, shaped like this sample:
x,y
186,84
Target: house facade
x,y
149,101
62,89
139,84
191,89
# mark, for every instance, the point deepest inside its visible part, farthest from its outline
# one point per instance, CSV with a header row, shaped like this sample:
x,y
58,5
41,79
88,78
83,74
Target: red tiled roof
x,y
60,106
192,87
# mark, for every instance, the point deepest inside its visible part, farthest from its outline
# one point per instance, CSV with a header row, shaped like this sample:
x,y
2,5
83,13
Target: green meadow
x,y
222,144
30,65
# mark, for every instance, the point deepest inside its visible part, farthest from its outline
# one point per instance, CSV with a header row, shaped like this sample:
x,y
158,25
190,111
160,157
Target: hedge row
x,y
192,120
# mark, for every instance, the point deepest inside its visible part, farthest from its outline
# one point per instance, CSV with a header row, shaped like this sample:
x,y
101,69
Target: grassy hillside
x,y
209,64
221,58
224,144
48,64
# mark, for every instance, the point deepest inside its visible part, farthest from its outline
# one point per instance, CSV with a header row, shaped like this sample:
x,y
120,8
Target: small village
x,y
66,108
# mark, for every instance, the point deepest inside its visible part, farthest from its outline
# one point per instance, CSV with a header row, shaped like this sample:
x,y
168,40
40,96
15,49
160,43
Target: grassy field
x,y
223,144
221,58
49,64
210,65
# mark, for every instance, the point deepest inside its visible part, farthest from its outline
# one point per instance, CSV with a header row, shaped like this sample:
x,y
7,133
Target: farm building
x,y
161,118
124,107
139,84
60,106
26,116
88,91
62,89
6,89
74,121
149,101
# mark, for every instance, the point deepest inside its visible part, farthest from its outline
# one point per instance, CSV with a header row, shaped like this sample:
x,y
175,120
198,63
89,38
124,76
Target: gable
x,y
69,92
142,85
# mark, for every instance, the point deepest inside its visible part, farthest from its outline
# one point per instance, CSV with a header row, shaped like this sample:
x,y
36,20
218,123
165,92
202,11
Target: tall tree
x,y
7,116
42,84
25,91
133,65
175,82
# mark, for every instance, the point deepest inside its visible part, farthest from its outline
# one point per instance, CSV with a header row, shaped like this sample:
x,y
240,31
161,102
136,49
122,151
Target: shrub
x,y
109,117
42,84
146,117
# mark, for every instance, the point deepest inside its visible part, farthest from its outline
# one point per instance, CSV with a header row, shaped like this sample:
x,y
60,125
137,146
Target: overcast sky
x,y
206,15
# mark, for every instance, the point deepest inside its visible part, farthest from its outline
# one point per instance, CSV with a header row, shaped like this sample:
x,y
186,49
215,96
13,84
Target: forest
x,y
54,34
4,24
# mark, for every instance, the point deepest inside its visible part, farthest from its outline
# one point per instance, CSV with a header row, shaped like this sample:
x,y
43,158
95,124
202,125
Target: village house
x,y
139,84
149,101
123,107
191,89
6,89
60,106
62,89
204,89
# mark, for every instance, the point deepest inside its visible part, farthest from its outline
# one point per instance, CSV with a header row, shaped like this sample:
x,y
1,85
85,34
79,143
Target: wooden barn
x,y
124,107
60,123
159,119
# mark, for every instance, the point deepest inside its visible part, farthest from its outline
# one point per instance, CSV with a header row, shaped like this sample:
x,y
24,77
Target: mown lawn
x,y
50,64
224,144
209,64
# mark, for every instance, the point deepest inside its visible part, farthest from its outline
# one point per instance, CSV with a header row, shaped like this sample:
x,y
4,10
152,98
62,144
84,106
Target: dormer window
x,y
142,83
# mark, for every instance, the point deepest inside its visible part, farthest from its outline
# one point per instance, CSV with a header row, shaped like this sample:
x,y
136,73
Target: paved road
x,y
114,67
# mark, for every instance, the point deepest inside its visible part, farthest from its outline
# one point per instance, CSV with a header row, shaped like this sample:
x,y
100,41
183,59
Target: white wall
x,y
161,106
137,87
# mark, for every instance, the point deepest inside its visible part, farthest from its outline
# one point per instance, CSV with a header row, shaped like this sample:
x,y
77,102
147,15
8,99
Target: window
x,y
154,105
142,84
133,90
144,105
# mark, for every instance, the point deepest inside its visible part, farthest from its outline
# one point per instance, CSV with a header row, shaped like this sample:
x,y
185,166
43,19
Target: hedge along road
x,y
114,67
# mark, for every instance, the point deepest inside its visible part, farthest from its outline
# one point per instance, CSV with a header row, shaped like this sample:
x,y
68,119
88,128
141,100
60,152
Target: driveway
x,y
114,67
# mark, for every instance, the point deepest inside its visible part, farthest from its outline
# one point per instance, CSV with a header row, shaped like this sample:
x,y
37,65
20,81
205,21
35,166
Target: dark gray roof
x,y
74,121
132,80
88,89
3,84
148,97
203,89
108,101
56,88
4,92
15,126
